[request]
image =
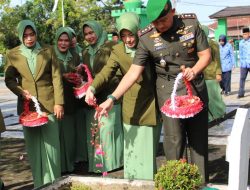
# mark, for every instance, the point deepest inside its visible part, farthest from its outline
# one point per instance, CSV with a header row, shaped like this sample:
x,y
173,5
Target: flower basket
x,y
33,118
77,79
182,106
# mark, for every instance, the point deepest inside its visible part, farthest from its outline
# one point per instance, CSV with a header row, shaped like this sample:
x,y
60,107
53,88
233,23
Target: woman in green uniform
x,y
2,129
212,75
74,45
68,61
32,70
81,137
139,110
105,144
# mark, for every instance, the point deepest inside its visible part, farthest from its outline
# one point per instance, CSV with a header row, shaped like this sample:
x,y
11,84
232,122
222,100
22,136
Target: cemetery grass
x,y
15,170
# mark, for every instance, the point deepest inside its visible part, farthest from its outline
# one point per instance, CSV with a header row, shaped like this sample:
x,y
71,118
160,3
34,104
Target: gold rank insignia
x,y
188,27
155,35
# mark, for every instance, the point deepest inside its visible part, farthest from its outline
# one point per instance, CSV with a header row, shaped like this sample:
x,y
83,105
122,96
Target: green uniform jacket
x,y
46,85
68,88
214,68
139,101
100,60
169,50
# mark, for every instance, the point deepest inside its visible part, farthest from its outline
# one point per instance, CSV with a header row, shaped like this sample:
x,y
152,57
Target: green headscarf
x,y
29,52
129,21
66,56
101,38
72,31
76,49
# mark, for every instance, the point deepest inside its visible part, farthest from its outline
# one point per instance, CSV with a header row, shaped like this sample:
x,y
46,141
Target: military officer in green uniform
x,y
169,42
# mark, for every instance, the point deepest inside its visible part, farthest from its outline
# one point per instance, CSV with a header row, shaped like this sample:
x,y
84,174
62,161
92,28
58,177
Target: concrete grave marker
x,y
237,153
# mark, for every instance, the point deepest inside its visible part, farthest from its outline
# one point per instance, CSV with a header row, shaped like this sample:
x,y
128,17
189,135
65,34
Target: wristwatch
x,y
112,98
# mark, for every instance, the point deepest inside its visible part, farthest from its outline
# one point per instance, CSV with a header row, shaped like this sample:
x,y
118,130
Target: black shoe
x,y
222,92
240,96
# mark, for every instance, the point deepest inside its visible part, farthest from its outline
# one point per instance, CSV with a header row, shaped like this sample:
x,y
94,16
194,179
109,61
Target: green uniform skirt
x,y
105,143
67,142
81,136
216,105
140,145
43,148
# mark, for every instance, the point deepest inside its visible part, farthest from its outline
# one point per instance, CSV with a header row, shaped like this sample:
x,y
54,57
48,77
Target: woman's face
x,y
63,43
29,37
73,42
128,38
89,35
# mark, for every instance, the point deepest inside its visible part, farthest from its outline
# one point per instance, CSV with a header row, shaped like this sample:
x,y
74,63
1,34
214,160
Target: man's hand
x,y
26,95
188,73
58,111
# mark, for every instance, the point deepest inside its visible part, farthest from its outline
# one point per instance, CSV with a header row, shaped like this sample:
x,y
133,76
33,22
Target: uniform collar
x,y
177,24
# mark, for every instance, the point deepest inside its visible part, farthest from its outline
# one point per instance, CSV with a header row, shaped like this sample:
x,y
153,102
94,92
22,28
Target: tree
x,y
47,22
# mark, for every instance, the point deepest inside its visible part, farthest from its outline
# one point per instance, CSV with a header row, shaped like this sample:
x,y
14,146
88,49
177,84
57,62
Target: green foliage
x,y
178,175
47,22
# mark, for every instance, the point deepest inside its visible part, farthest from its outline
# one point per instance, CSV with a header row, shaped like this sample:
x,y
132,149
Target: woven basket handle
x,y
177,81
87,71
36,104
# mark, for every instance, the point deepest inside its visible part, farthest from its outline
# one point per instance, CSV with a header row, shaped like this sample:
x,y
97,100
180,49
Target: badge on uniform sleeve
x,y
186,37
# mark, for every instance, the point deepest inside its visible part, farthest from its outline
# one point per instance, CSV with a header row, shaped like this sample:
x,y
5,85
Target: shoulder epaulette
x,y
145,30
188,16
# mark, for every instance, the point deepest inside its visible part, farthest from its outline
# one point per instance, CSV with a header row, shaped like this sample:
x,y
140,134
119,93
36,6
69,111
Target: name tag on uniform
x,y
160,47
186,37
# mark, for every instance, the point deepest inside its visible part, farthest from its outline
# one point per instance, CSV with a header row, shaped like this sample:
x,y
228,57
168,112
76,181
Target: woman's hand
x,y
58,111
26,95
218,78
90,97
104,108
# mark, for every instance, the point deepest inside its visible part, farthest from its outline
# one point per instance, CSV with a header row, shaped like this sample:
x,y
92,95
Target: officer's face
x,y
29,37
63,43
128,38
89,35
164,23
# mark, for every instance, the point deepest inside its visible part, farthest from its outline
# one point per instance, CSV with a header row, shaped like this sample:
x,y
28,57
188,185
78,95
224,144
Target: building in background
x,y
230,21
